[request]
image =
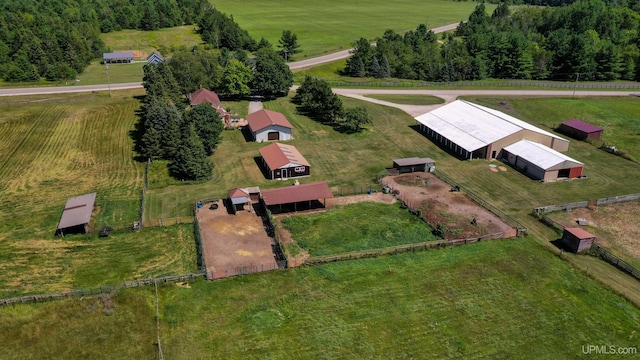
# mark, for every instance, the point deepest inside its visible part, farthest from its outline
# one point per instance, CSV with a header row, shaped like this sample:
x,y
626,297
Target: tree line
x,y
56,40
589,40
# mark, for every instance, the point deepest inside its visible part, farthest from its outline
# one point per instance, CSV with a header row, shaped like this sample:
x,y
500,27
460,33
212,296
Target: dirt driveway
x,y
234,244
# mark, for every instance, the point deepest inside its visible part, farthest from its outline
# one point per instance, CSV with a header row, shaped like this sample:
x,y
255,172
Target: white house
x,y
267,125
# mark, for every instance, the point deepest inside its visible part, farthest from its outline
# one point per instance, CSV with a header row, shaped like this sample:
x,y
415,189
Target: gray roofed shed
x,y
76,214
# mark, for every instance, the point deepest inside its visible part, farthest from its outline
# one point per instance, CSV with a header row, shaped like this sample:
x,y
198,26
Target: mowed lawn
x,y
356,227
59,146
327,26
344,160
144,42
501,299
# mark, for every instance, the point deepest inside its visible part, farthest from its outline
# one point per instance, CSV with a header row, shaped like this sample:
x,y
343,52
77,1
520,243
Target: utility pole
x,y
576,84
106,65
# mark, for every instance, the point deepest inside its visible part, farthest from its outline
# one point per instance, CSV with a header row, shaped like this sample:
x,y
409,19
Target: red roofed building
x,y
580,130
297,197
267,125
203,95
283,162
577,240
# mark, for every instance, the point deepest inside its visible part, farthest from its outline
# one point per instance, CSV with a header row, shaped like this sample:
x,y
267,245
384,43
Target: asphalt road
x,y
345,53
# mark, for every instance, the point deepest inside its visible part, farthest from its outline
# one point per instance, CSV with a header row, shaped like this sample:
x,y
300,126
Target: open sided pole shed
x,y
76,215
294,195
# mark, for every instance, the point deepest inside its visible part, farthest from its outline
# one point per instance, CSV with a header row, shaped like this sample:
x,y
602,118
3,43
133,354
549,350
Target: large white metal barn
x,y
541,162
472,131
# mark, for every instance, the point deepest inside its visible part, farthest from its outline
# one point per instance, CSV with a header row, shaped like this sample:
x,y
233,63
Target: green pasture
x,y
330,26
144,42
498,299
356,227
149,41
53,147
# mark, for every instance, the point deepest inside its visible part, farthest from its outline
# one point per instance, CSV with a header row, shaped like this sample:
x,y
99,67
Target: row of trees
x,y
170,130
592,38
316,99
58,39
231,74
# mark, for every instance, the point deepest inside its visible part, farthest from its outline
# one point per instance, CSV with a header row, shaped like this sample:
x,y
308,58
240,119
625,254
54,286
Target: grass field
x,y
59,146
356,227
502,299
329,26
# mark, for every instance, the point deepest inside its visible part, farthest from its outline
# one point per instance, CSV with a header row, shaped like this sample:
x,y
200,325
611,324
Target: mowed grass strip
x,y
61,146
329,26
357,227
476,301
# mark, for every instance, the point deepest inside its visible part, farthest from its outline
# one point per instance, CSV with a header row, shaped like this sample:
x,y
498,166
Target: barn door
x,y
273,135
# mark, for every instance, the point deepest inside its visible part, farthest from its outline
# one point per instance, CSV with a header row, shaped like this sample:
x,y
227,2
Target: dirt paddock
x,y
439,205
234,244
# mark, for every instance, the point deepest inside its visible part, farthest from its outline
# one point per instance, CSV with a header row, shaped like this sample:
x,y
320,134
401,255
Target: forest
x,y
56,40
587,40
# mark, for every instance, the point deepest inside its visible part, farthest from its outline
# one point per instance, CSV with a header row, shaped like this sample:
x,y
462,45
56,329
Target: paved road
x,y
451,95
345,53
66,89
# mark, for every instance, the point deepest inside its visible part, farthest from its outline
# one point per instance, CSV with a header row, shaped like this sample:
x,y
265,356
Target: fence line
x,y
602,253
565,207
519,84
102,289
617,199
213,274
616,261
521,230
357,190
316,260
145,186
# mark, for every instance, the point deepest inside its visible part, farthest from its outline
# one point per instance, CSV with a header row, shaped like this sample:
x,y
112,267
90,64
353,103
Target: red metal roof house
x,y
203,95
580,130
267,125
283,162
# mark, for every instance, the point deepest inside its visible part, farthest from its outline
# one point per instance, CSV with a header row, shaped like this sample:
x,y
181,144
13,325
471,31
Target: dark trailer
x,y
76,215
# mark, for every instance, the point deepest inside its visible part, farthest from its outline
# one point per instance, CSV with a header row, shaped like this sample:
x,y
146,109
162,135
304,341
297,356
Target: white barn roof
x,y
540,155
472,126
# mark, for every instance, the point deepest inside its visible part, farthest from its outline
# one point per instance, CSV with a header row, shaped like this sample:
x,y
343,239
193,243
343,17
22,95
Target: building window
x,y
299,169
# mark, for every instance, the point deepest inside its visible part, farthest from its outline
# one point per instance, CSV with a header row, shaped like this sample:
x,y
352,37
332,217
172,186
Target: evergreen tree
x,y
288,44
190,161
375,69
207,123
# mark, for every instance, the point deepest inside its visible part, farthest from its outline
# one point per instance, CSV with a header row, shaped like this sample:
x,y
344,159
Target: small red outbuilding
x,y
580,130
577,240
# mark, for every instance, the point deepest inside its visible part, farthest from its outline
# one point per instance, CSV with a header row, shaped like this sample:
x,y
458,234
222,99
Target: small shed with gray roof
x,y
124,57
408,165
76,215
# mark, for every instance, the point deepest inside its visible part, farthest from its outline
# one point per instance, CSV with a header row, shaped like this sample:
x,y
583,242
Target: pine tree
x,y
191,161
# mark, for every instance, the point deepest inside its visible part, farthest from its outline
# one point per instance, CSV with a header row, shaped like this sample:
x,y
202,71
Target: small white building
x,y
267,125
541,162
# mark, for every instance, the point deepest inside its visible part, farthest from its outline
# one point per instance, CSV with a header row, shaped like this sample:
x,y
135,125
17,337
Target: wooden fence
x,y
102,289
617,199
213,274
560,207
616,261
316,260
521,230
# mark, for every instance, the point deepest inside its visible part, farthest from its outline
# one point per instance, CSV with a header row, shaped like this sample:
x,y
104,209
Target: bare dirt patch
x,y
616,227
438,205
234,244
